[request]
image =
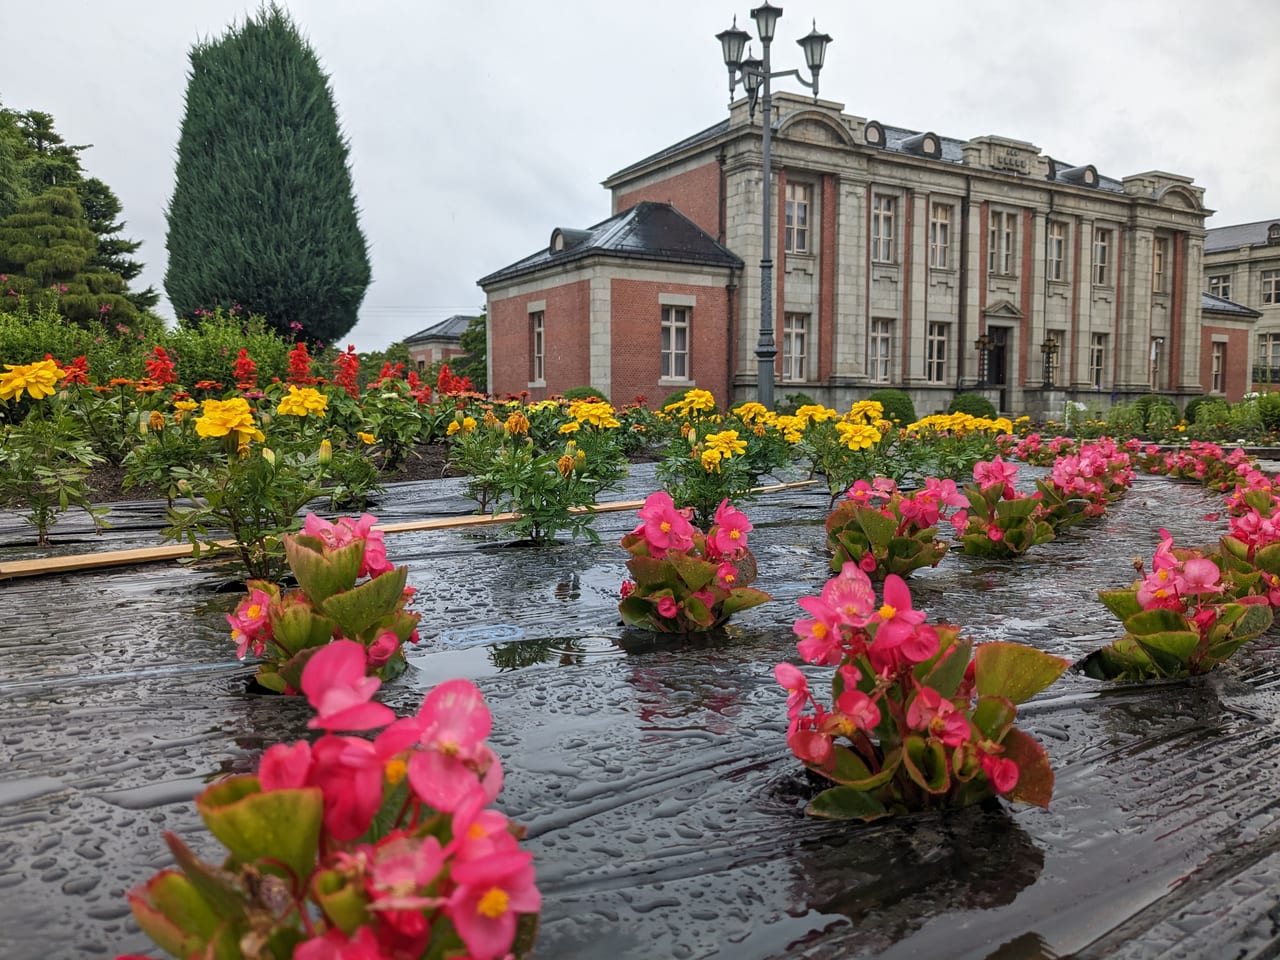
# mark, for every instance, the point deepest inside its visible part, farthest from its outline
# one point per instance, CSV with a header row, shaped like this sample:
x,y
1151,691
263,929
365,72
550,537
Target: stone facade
x,y
916,245
1242,264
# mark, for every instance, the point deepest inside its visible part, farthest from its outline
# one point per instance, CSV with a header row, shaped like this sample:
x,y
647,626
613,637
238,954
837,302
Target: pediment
x,y
1002,310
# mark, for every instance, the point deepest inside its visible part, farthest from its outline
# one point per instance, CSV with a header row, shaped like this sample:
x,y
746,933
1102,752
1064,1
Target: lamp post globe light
x,y
755,76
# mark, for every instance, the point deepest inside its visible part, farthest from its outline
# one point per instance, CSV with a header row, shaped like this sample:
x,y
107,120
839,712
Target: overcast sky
x,y
477,126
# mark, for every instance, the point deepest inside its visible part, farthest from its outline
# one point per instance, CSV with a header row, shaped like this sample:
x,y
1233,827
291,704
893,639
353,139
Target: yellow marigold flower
x,y
366,438
325,456
1002,424
490,420
517,424
453,427
857,436
186,406
218,418
758,430
815,413
726,443
573,426
695,401
565,465
301,401
751,411
468,424
711,460
792,428
867,411
38,379
156,420
598,413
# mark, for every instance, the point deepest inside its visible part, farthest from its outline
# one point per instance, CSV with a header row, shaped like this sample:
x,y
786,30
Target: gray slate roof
x,y
450,329
647,231
1237,235
1216,304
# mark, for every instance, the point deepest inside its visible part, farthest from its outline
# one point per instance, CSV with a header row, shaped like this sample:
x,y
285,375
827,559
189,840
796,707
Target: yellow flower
x,y
751,411
711,460
573,426
726,443
37,379
865,411
857,436
218,418
366,438
325,456
695,401
454,427
302,401
598,413
517,424
792,428
468,424
156,420
565,465
814,413
186,406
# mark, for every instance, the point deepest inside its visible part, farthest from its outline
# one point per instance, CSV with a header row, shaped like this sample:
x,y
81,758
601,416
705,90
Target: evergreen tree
x,y
262,212
474,363
102,210
46,244
13,181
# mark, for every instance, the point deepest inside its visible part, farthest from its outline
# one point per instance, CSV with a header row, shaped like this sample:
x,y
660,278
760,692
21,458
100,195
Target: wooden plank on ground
x,y
43,566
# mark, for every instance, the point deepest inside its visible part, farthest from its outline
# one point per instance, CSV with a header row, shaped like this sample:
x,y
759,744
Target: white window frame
x,y
537,347
1098,360
1002,244
880,349
798,202
1102,237
677,328
1220,285
935,356
1159,264
940,236
1056,250
883,247
795,337
1270,286
1218,368
1268,357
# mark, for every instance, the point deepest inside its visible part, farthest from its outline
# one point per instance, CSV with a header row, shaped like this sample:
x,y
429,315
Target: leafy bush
x,y
1269,411
792,402
974,404
206,349
897,405
1155,408
582,393
27,335
1194,405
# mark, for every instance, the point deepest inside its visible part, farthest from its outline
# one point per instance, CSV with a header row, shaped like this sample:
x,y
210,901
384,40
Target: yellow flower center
x,y
665,526
254,611
819,630
888,612
475,832
396,769
494,903
735,534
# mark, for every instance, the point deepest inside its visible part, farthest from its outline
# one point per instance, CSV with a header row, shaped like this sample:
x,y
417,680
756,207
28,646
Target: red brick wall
x,y
637,340
695,193
566,324
1238,374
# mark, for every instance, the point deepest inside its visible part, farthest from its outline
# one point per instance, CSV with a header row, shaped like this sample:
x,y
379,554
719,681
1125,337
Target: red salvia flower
x,y
160,367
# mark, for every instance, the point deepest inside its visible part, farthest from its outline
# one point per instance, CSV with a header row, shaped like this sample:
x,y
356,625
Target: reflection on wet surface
x,y
664,811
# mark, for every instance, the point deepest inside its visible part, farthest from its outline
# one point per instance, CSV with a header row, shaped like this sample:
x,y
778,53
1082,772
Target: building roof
x,y
647,231
1238,235
1216,304
451,329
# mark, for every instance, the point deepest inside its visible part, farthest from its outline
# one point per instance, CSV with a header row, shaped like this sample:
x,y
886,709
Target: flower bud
x,y
269,455
326,452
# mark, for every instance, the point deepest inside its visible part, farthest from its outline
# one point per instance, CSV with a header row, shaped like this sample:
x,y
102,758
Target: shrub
x,y
793,402
1194,405
26,336
1269,411
206,349
897,405
1155,408
582,393
974,404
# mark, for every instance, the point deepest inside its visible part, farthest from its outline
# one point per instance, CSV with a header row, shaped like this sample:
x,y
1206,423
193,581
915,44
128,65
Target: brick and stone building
x,y
896,254
441,341
1242,264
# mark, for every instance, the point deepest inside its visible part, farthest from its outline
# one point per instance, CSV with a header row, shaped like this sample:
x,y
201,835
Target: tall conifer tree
x,y
263,212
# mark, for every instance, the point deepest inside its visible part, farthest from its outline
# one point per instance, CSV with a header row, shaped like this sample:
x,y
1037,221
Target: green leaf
x,y
1123,603
851,771
948,670
1019,509
878,528
743,598
846,803
170,910
296,627
357,609
220,889
695,573
273,829
1170,649
1157,620
1035,775
1010,670
341,899
994,716
926,763
322,574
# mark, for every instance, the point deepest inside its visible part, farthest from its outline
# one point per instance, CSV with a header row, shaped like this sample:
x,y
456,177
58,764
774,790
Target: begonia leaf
x,y
1156,620
274,829
846,803
1171,650
1035,775
994,716
878,528
295,626
926,763
357,609
1019,509
947,670
1123,603
694,572
851,771
170,910
322,574
1123,659
1014,671
220,889
341,899
650,574
698,612
1267,558
743,598
267,676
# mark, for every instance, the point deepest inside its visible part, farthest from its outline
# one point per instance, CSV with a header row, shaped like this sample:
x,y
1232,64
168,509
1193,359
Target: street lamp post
x,y
983,346
755,76
1049,350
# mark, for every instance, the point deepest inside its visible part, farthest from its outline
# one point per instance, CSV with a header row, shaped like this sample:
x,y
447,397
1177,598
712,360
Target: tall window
x,y
1218,371
1159,261
1101,257
799,196
1097,359
940,236
882,208
1220,285
1001,237
879,349
1267,369
1271,286
795,329
935,358
537,347
1057,250
675,343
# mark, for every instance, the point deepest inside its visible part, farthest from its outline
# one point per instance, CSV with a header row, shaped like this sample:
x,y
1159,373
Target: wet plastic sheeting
x,y
663,809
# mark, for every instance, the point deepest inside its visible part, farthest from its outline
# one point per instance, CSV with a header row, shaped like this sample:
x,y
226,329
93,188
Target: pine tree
x,y
262,212
102,209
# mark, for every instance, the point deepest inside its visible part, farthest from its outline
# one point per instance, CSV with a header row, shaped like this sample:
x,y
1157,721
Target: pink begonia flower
x,y
1200,575
336,686
491,892
726,575
285,766
793,681
346,530
996,473
453,761
820,637
868,563
1001,773
667,607
250,624
859,709
479,832
349,772
400,867
664,527
959,520
335,945
383,648
706,596
628,587
895,618
850,596
933,714
729,537
807,742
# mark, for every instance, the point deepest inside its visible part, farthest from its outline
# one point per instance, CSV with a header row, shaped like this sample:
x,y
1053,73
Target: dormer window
x,y
1273,233
874,134
924,144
